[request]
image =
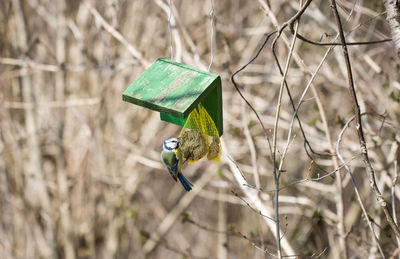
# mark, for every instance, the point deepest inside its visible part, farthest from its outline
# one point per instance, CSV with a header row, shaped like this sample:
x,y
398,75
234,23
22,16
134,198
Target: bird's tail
x,y
186,184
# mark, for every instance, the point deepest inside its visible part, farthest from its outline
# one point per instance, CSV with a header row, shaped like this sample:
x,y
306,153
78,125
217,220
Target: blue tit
x,y
171,157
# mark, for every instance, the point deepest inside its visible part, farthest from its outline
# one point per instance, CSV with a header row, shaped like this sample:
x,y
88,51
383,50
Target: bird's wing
x,y
171,163
173,170
179,155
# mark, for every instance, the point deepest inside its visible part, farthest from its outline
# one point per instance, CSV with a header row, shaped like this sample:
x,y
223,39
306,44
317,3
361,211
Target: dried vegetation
x,y
80,174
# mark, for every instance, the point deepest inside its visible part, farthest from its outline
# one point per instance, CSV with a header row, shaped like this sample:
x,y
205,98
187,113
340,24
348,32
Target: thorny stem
x,y
363,147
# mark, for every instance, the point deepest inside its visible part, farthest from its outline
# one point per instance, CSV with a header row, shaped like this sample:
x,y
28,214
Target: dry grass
x,y
80,175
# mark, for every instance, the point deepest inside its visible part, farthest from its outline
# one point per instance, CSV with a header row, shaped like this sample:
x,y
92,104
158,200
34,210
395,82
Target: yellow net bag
x,y
199,137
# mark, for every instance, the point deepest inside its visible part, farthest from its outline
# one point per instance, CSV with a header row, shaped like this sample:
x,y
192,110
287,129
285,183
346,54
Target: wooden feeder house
x,y
174,90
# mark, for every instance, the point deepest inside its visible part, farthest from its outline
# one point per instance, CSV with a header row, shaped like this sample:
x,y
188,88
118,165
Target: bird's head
x,y
170,144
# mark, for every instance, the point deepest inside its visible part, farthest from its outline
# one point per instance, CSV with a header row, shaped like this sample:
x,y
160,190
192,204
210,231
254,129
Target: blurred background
x,y
80,170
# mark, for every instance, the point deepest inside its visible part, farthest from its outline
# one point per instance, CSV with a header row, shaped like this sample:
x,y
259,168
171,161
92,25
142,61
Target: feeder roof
x,y
171,88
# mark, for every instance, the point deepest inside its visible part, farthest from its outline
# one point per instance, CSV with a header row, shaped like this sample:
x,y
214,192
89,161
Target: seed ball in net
x,y
193,145
214,149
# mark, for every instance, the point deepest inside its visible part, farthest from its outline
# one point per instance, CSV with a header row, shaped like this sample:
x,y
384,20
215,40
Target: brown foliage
x,y
80,173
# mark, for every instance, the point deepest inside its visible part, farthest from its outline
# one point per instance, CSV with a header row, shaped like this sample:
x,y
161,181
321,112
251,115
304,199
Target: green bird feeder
x,y
175,90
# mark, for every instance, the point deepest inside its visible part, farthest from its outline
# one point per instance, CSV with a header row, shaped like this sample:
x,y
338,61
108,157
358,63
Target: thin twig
x,y
358,43
175,39
253,209
171,218
394,183
254,199
135,53
211,35
170,30
235,84
354,183
252,147
356,107
54,104
393,17
277,173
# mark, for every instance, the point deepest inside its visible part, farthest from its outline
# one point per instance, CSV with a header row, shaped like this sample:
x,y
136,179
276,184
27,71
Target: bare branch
x,y
118,36
393,17
363,146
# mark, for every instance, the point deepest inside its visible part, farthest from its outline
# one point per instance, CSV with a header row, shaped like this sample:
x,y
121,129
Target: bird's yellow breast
x,y
178,153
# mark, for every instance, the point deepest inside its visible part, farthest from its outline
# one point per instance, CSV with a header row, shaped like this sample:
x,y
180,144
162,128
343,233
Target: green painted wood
x,y
172,119
175,90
